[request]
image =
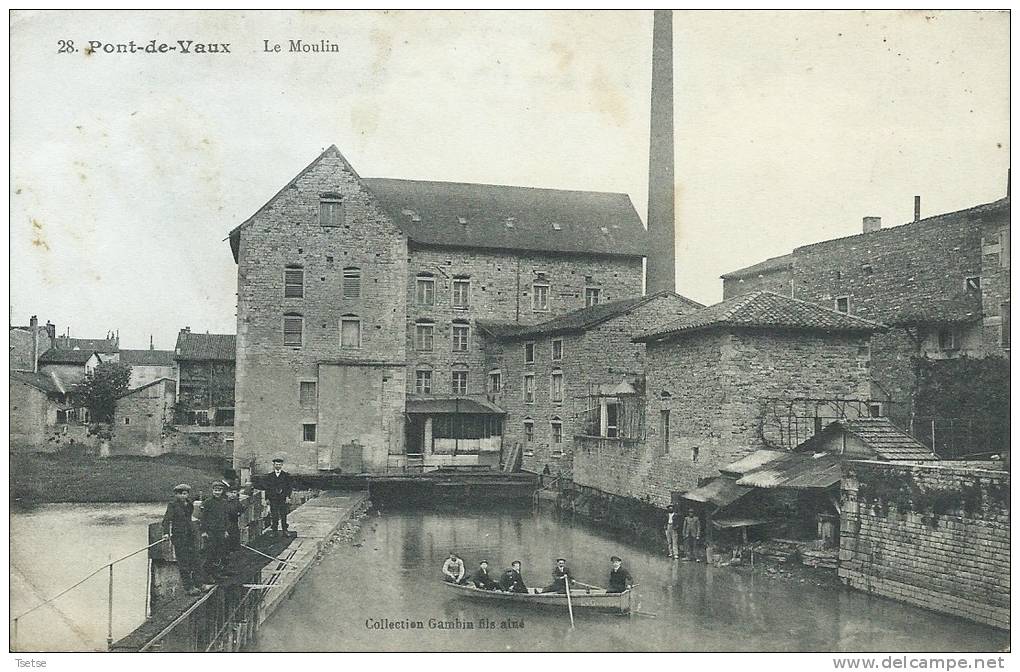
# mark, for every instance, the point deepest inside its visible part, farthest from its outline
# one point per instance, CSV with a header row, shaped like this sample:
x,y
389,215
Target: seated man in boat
x,y
511,581
481,579
453,569
559,573
620,579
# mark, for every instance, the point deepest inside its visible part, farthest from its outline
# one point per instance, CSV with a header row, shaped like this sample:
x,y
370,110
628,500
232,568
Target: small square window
x,y
875,409
947,340
592,296
842,304
331,212
308,432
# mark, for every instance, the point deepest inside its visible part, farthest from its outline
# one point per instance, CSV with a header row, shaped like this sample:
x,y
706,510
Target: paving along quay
x,y
460,416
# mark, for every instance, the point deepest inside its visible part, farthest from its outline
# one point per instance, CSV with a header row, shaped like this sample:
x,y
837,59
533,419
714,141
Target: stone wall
x,y
775,280
32,416
995,253
140,420
500,290
268,415
957,562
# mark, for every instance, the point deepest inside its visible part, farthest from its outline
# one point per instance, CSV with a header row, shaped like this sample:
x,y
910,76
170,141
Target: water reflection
x,y
394,572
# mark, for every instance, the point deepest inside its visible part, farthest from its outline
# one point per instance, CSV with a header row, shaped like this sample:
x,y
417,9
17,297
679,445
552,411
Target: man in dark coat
x,y
692,535
278,490
560,573
213,526
234,510
619,578
672,525
512,581
179,530
481,578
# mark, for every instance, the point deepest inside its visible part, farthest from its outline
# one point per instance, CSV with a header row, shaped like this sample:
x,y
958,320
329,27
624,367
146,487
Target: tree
x,y
100,389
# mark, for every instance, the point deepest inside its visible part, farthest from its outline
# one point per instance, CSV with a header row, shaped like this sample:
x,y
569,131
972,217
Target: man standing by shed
x,y
672,523
692,534
278,489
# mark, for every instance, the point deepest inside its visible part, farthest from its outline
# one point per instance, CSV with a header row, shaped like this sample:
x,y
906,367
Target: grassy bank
x,y
39,478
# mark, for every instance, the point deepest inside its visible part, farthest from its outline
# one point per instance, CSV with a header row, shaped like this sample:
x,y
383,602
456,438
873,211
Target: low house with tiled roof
x,y
42,414
357,296
206,368
708,376
149,365
867,438
71,366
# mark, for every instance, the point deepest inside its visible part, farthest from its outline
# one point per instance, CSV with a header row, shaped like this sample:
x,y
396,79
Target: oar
x,y
570,606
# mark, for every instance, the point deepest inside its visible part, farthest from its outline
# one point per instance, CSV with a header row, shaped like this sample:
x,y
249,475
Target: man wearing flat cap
x,y
278,490
620,579
180,531
213,527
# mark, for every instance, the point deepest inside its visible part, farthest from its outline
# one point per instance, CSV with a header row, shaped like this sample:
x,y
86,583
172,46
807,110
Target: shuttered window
x,y
350,332
293,283
293,327
331,212
556,387
352,283
307,394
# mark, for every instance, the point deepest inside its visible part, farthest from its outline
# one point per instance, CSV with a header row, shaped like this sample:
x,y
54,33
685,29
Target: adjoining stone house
x,y
42,416
357,296
26,343
70,366
142,419
550,377
148,366
709,377
941,284
205,378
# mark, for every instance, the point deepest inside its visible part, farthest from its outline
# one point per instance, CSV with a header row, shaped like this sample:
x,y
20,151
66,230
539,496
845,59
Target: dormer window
x,y
331,210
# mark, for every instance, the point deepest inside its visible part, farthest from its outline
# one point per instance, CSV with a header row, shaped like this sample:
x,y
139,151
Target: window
x,y
461,293
423,333
694,454
460,337
947,339
529,353
293,283
308,432
331,211
423,381
350,332
352,283
127,421
973,283
495,381
557,350
425,291
306,394
843,304
612,419
540,298
529,431
664,430
556,387
459,382
529,388
293,327
1004,327
591,296
875,409
557,431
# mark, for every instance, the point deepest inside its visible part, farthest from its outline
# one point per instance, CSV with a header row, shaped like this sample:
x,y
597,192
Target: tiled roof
x,y
960,309
61,356
498,329
751,462
40,381
476,215
586,318
147,357
158,381
720,491
462,405
206,346
771,264
101,345
763,310
795,470
887,440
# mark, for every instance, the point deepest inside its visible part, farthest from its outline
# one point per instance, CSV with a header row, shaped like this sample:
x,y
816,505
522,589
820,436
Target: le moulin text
x,y
193,47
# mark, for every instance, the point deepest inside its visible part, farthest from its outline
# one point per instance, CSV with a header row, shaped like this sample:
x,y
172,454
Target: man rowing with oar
x,y
560,573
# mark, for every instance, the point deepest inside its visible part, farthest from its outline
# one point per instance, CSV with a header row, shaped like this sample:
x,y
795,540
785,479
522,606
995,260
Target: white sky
x,y
129,170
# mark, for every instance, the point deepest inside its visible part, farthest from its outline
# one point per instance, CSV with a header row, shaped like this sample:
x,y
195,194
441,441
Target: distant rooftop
x,y
219,347
59,356
147,357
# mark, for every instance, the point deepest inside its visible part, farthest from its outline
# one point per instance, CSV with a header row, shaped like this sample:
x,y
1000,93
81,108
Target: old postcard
x,y
510,331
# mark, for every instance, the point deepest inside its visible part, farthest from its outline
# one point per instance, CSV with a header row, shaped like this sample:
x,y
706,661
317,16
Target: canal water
x,y
54,546
391,574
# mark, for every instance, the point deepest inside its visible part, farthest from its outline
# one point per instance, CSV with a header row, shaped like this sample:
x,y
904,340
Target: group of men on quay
x,y
204,554
511,580
689,530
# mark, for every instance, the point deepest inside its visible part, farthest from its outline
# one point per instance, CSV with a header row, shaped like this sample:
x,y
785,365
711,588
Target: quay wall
x,y
933,536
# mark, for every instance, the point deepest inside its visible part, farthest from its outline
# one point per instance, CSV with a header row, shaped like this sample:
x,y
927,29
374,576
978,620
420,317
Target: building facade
x,y
358,297
148,366
142,419
205,378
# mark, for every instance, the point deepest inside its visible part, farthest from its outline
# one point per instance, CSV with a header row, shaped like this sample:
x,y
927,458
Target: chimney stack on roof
x,y
51,329
660,274
917,208
151,346
872,224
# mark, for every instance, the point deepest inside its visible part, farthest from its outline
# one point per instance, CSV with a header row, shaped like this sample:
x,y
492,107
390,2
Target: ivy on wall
x,y
882,489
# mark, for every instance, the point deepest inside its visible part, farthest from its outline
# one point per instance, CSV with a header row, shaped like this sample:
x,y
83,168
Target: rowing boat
x,y
582,598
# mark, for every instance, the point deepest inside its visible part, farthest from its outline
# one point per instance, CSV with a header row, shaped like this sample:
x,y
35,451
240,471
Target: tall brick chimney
x,y
33,324
661,270
872,224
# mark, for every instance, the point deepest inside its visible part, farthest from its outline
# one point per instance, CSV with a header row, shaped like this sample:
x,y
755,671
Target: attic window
x,y
331,210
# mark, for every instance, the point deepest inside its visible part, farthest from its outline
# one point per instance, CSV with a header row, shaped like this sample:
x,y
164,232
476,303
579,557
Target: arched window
x,y
352,283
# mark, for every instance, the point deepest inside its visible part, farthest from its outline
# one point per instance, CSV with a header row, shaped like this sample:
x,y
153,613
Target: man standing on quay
x,y
672,521
278,490
692,534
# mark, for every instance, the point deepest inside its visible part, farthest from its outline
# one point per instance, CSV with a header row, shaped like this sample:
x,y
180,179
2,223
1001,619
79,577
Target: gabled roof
x,y
220,347
475,215
592,316
61,356
880,435
795,470
460,405
772,264
458,214
147,357
763,310
41,381
496,328
101,345
158,381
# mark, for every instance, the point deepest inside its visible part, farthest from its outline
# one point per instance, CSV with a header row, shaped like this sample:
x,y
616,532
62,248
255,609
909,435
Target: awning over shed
x,y
458,405
795,470
720,492
728,523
